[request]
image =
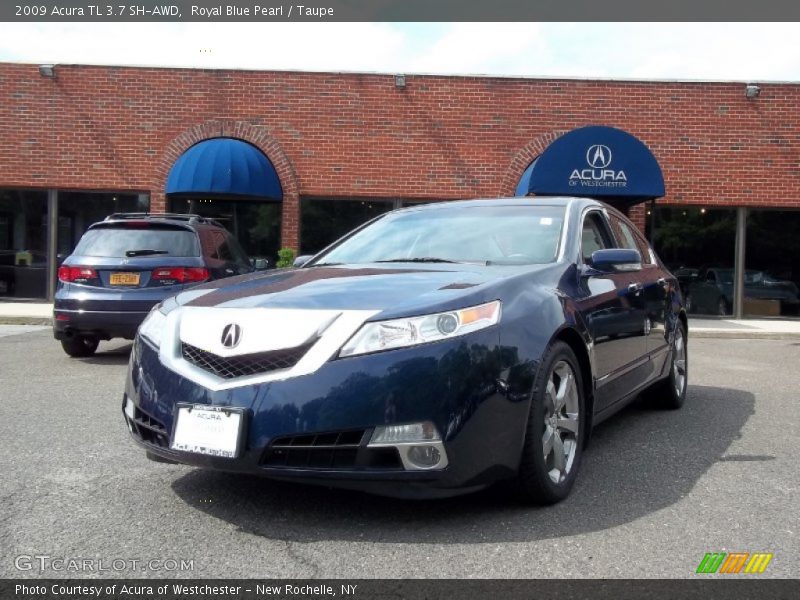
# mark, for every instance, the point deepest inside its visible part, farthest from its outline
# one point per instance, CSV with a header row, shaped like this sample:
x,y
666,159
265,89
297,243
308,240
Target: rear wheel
x,y
79,346
671,392
554,439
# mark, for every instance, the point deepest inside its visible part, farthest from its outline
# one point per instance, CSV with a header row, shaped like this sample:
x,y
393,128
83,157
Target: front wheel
x,y
79,346
555,433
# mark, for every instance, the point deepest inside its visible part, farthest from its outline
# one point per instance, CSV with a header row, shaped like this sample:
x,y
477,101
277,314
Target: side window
x,y
219,247
625,236
239,256
648,256
630,239
594,236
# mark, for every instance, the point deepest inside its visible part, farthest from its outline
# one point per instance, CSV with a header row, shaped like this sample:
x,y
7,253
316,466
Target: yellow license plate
x,y
125,279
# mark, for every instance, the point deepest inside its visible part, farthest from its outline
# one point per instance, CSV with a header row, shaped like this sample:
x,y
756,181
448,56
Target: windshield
x,y
130,242
481,234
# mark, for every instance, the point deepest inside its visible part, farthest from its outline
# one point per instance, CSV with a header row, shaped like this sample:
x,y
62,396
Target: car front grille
x,y
331,450
247,364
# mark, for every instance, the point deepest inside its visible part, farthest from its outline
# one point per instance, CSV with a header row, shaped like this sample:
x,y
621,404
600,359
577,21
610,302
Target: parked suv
x,y
126,264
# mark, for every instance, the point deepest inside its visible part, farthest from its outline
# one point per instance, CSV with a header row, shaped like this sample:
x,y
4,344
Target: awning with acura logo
x,y
596,162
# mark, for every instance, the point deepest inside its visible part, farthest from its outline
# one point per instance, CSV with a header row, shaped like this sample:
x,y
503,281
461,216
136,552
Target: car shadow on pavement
x,y
110,353
640,461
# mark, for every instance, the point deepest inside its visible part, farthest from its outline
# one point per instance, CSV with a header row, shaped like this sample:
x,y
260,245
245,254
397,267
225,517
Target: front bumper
x,y
462,386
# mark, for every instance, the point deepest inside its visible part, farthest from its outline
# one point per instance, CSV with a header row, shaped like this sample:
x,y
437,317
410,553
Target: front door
x,y
614,309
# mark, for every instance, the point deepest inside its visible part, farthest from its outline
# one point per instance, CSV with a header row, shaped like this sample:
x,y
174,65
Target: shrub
x,y
285,258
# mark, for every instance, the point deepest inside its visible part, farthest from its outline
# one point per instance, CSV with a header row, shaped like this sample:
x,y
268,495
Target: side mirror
x,y
301,260
259,264
616,260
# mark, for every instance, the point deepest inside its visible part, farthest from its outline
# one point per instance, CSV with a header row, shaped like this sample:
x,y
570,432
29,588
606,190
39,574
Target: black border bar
x,y
739,587
397,10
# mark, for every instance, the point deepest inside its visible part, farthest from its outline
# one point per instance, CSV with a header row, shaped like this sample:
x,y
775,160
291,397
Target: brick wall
x,y
351,135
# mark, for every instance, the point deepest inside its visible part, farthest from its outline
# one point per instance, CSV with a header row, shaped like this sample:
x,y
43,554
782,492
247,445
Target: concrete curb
x,y
742,335
4,320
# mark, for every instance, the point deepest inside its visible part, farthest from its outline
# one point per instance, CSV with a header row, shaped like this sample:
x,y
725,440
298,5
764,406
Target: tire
x,y
670,393
722,307
79,346
551,455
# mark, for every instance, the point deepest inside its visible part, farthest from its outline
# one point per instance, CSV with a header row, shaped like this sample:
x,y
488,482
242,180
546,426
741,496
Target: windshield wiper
x,y
330,264
419,259
144,252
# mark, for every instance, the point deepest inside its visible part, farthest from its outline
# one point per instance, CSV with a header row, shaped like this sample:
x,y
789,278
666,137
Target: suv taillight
x,y
76,274
180,274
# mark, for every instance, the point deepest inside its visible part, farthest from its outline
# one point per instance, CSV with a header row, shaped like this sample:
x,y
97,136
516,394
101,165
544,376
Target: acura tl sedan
x,y
433,351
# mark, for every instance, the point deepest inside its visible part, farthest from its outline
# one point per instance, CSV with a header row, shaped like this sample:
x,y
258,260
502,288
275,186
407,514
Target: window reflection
x,y
698,245
322,222
23,244
772,257
78,210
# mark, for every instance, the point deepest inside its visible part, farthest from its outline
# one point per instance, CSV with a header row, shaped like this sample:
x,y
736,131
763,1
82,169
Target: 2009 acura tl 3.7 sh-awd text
x,y
433,351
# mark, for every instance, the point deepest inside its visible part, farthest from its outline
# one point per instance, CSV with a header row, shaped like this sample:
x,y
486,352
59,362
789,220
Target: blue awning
x,y
597,162
525,181
224,166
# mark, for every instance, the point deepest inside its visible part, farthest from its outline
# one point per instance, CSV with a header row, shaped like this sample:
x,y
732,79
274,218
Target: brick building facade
x,y
360,137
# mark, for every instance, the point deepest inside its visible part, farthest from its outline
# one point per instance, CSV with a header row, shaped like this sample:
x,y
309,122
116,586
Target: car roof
x,y
564,201
184,221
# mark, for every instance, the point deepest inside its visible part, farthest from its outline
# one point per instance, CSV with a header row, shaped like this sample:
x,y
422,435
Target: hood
x,y
347,288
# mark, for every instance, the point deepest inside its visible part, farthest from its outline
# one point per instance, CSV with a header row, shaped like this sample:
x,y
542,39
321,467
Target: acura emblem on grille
x,y
231,335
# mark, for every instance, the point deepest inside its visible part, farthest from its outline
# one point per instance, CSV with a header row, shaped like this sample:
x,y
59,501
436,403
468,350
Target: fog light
x,y
413,432
424,456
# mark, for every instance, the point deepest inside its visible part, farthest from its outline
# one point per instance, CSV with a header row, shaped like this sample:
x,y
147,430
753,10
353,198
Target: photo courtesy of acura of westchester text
x,y
371,308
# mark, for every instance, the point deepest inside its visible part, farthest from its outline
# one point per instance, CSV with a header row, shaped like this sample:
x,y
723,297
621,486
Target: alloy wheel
x,y
561,421
679,363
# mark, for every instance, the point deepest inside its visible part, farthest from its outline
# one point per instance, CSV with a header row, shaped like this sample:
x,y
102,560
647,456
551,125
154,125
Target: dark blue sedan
x,y
433,351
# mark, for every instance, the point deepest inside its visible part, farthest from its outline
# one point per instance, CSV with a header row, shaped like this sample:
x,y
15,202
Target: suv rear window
x,y
131,241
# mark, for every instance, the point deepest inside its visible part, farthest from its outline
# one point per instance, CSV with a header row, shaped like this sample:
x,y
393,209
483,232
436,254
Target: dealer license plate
x,y
124,279
212,430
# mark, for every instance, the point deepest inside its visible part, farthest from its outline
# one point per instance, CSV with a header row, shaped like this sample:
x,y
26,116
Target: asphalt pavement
x,y
657,489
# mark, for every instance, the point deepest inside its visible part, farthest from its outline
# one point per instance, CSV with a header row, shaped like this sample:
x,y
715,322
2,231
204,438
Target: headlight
x,y
152,327
401,333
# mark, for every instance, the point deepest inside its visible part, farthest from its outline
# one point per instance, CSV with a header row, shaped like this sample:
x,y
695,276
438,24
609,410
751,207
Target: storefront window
x,y
23,244
698,246
78,210
255,224
772,263
324,221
